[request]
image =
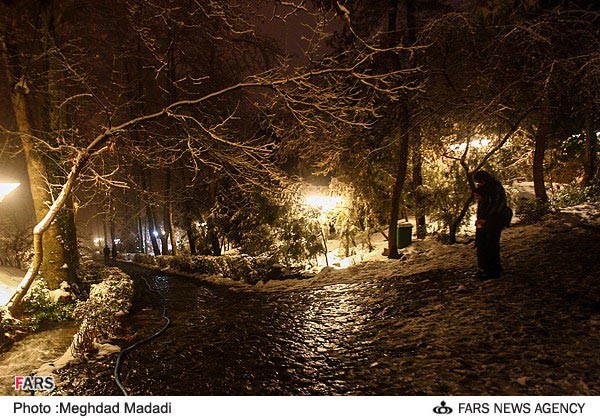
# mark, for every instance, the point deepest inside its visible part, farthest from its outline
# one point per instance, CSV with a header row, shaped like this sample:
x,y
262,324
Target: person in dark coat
x,y
114,252
106,252
491,210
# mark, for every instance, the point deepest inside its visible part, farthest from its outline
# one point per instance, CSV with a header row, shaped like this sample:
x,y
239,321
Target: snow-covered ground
x,y
423,325
9,280
587,213
422,256
431,255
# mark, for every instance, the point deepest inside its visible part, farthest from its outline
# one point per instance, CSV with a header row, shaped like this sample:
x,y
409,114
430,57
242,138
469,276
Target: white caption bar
x,y
302,407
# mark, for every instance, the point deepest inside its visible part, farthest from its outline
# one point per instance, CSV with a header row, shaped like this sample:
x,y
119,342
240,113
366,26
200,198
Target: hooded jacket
x,y
492,205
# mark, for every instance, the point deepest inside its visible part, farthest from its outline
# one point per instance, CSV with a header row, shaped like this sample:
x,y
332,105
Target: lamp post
x,y
6,188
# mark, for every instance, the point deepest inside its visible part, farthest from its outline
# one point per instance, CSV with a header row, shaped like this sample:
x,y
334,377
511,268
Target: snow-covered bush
x,y
574,194
531,211
164,261
236,267
99,314
42,305
142,258
91,272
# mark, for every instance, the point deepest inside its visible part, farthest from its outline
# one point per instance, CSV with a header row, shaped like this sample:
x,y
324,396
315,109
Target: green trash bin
x,y
404,236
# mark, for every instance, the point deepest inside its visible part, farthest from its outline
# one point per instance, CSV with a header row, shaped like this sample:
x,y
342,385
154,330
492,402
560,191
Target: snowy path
x,y
424,330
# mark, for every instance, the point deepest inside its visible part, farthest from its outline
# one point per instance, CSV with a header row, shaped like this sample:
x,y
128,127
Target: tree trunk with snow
x,y
57,266
43,226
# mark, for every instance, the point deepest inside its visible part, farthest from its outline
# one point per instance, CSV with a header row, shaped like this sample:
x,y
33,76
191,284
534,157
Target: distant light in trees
x,y
475,143
98,241
155,233
6,188
324,203
577,136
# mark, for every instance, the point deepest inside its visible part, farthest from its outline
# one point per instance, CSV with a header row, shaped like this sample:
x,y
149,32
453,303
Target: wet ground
x,y
534,332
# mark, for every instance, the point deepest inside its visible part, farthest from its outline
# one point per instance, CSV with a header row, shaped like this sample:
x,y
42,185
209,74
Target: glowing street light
x,y
324,204
6,188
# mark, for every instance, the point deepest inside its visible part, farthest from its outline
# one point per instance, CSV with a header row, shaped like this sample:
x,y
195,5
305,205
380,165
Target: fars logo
x,y
442,409
35,383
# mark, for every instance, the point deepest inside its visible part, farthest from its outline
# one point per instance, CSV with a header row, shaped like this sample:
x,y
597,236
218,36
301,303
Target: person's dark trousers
x,y
487,241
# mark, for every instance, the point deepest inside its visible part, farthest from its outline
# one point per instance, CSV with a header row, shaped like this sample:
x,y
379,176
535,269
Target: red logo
x,y
34,383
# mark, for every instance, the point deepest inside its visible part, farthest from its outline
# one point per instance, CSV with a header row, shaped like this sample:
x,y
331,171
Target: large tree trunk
x,y
541,137
405,120
591,146
417,183
140,227
113,236
173,96
191,235
55,120
164,232
151,219
175,250
105,230
168,215
189,221
398,186
152,228
212,231
43,226
57,265
111,223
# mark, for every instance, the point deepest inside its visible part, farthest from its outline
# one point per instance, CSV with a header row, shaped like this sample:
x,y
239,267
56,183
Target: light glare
x,y
324,203
6,188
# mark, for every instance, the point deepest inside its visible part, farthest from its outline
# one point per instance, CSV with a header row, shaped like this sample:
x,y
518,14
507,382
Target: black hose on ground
x,y
145,340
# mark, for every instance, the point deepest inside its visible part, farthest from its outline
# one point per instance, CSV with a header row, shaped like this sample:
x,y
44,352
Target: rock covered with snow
x,y
62,295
